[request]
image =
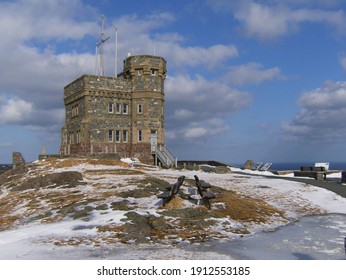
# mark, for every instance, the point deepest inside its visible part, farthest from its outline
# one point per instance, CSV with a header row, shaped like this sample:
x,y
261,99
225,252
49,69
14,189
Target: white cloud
x,y
321,115
194,56
21,112
252,73
32,19
330,96
182,114
32,33
141,36
276,18
209,97
191,101
309,3
195,132
296,129
15,111
264,22
196,106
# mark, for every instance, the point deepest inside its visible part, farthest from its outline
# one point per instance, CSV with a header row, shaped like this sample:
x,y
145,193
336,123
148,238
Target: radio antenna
x,y
99,48
116,52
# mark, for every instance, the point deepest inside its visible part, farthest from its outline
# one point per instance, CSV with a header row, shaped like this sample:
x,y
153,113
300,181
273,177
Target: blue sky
x,y
253,79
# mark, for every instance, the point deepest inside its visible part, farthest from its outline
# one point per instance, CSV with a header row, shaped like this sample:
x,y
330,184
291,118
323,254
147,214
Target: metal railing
x,y
164,155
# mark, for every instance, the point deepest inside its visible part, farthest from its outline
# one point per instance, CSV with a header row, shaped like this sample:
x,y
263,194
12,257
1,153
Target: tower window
x,y
139,108
117,136
75,110
139,71
153,72
110,135
140,136
71,138
125,136
118,108
110,107
78,136
125,108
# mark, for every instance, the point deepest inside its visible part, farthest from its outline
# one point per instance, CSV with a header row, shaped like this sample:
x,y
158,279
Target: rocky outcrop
x,y
18,160
248,164
67,179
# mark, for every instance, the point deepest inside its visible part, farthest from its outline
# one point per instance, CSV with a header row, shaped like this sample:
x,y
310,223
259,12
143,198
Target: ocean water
x,y
5,167
297,165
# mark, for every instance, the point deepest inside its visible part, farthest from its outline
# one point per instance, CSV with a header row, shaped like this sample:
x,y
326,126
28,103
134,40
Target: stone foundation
x,y
142,151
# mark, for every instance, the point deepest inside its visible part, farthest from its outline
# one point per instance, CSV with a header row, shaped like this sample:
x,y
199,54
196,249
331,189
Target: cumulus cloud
x,y
194,130
278,18
182,114
20,112
146,32
200,89
34,68
205,97
264,22
197,106
194,56
330,96
252,73
142,31
321,115
27,20
15,111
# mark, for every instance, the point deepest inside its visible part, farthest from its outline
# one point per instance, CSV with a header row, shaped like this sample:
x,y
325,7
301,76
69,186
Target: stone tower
x,y
147,75
122,115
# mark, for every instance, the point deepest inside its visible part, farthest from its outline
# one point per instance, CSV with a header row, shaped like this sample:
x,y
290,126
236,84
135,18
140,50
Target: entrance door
x,y
153,140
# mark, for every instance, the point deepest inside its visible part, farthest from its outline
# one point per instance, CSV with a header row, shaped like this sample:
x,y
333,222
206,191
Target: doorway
x,y
153,140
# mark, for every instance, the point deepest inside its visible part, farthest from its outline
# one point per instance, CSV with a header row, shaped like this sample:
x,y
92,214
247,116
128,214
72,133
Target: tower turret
x,y
147,74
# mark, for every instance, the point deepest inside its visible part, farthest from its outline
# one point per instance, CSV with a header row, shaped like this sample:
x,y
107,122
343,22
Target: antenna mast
x,y
99,45
116,51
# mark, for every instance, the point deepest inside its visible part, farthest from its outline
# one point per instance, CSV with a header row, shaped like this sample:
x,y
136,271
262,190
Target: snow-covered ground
x,y
37,240
311,238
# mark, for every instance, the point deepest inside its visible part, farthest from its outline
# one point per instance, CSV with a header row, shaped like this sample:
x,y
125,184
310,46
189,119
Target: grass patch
x,y
243,208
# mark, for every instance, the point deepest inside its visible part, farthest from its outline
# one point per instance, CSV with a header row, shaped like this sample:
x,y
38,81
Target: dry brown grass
x,y
244,208
7,221
174,203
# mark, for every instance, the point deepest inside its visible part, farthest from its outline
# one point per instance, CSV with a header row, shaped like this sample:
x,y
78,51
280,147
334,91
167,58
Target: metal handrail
x,y
168,153
164,155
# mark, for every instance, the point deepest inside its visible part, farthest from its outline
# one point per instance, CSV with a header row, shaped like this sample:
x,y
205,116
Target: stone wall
x,y
17,160
98,156
96,83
